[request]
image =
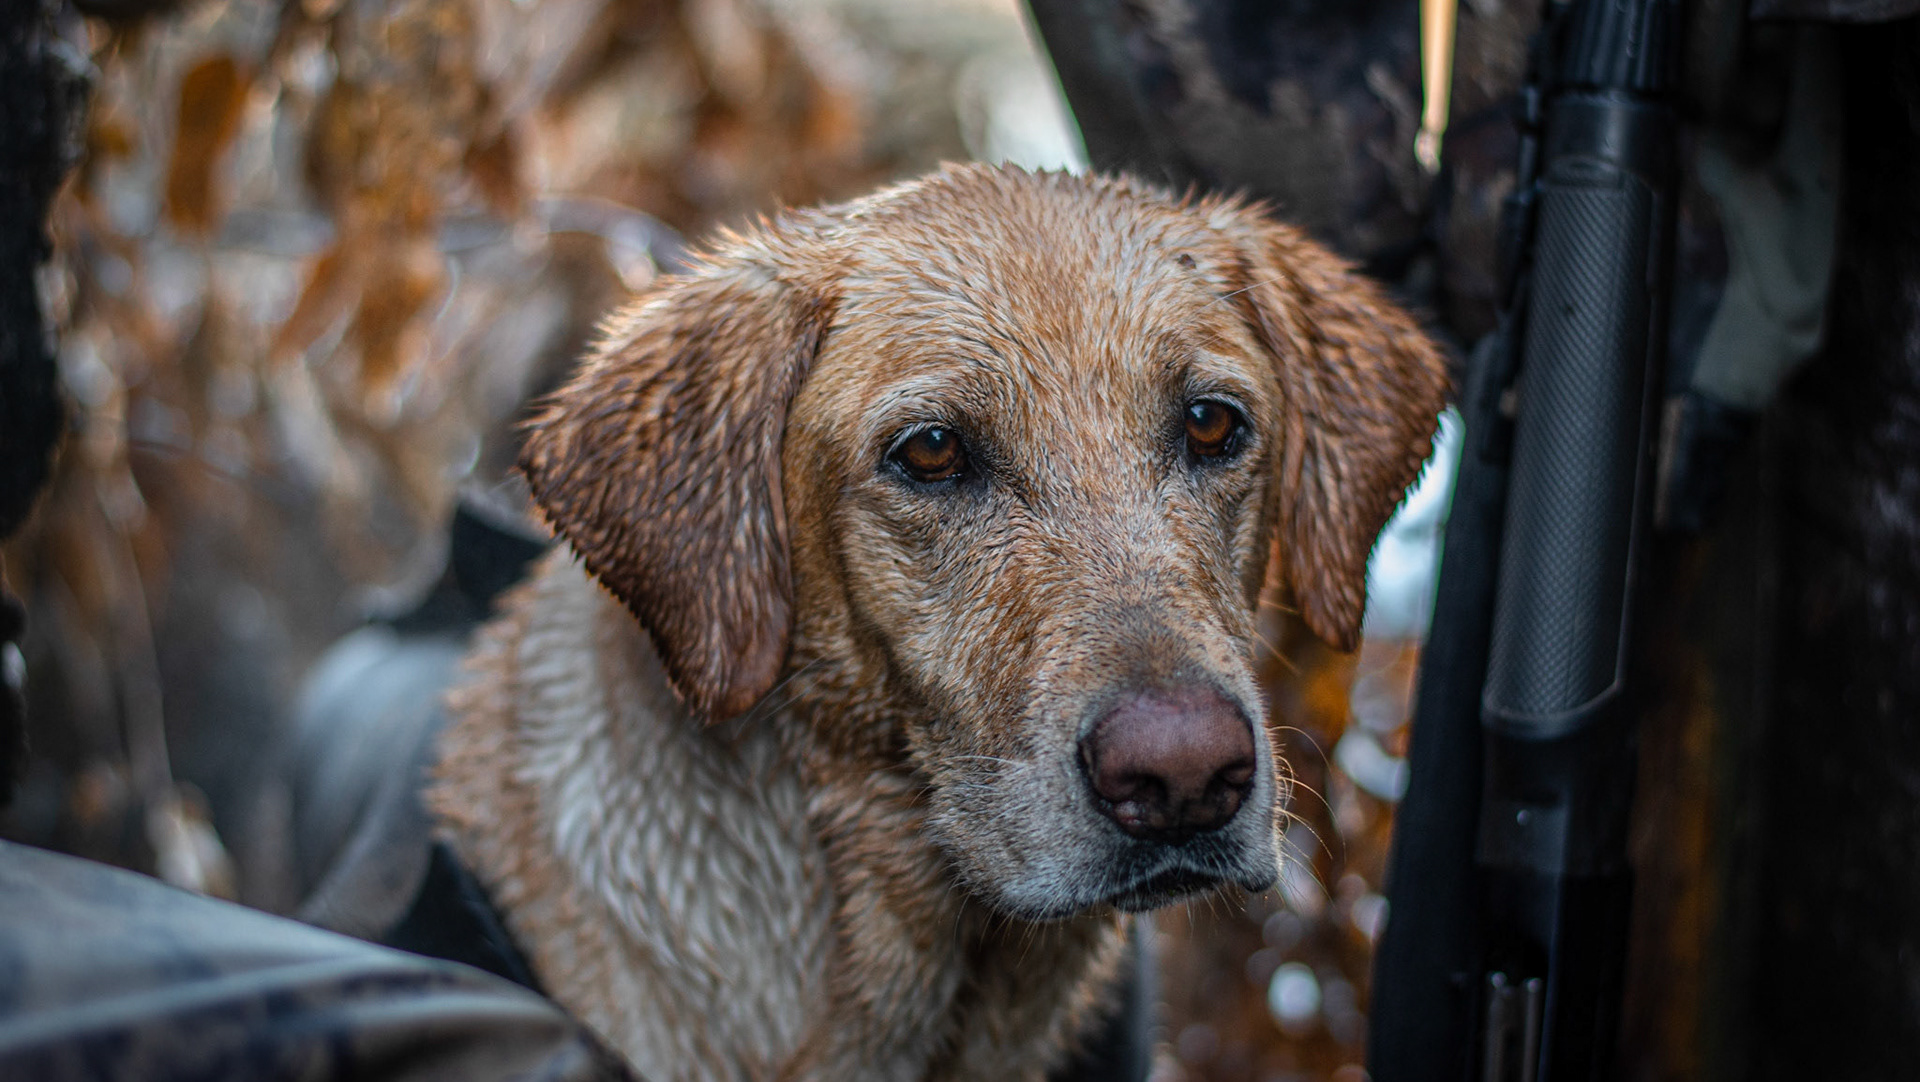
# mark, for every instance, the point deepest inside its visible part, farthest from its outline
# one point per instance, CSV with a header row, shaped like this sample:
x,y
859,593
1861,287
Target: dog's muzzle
x,y
1172,770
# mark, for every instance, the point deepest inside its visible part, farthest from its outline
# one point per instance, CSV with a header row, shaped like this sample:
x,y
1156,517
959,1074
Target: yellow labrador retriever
x,y
904,637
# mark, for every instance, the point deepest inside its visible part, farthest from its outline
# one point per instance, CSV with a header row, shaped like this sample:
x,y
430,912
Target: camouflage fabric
x,y
109,975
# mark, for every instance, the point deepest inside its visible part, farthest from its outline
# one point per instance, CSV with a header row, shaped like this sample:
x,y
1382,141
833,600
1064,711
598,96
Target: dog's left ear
x,y
660,463
1363,389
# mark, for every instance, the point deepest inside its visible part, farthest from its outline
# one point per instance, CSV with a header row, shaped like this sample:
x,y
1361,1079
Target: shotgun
x,y
1509,884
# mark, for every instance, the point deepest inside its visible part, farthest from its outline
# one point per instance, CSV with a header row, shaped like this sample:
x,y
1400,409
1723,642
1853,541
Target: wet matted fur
x,y
776,770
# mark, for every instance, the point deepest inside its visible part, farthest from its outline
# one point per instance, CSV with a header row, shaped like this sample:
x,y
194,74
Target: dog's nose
x,y
1167,765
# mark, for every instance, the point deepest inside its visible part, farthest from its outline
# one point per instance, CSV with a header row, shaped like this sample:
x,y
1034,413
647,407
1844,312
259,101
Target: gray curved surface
x,y
109,975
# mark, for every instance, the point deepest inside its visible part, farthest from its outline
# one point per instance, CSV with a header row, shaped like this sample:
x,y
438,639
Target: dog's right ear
x,y
659,462
1364,387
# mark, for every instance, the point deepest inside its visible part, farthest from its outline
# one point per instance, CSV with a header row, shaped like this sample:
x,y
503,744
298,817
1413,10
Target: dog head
x,y
998,466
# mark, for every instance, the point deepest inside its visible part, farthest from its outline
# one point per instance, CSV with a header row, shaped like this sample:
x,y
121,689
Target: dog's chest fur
x,y
712,902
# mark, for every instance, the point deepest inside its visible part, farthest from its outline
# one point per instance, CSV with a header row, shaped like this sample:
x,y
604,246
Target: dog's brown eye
x,y
1212,428
932,454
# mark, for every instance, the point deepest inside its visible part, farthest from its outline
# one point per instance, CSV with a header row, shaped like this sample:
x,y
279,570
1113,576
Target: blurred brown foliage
x,y
316,256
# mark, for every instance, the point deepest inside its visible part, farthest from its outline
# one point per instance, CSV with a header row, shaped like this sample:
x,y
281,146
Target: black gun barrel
x,y
1556,710
1502,959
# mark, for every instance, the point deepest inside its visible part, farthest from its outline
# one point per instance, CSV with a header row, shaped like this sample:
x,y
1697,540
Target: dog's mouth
x,y
1085,862
1168,884
1138,883
1163,889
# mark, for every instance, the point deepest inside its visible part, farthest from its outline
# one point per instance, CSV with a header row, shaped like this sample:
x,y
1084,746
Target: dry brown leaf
x,y
494,165
400,282
213,95
329,292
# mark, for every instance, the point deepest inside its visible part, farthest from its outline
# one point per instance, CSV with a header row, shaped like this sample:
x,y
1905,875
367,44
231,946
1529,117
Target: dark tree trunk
x,y
1312,105
1837,959
41,97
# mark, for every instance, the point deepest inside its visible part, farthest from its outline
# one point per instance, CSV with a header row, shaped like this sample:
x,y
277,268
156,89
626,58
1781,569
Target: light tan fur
x,y
774,772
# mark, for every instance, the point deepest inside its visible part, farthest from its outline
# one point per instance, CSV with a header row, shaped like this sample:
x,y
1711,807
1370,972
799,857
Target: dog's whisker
x,y
1017,764
1319,840
1305,822
1273,651
1227,296
1312,741
1278,606
1296,784
766,709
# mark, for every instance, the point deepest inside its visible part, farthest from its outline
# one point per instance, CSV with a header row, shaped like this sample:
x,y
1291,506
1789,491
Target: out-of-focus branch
x,y
42,88
42,92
